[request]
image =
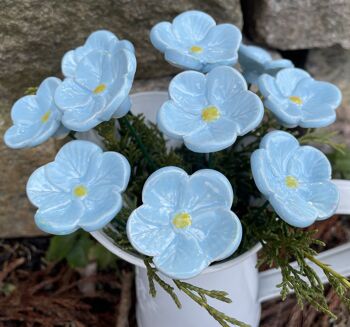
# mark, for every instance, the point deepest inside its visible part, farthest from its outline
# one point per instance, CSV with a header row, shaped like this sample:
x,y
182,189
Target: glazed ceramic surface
x,y
295,179
209,111
256,61
239,277
194,41
35,117
99,76
185,222
80,189
296,99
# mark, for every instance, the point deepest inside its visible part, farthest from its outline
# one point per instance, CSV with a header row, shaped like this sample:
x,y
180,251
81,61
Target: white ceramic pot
x,y
239,277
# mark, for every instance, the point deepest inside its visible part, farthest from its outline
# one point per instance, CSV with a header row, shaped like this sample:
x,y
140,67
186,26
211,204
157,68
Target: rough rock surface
x,y
333,65
35,34
298,24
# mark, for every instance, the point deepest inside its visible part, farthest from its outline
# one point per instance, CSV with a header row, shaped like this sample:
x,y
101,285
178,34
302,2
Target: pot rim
x,y
108,243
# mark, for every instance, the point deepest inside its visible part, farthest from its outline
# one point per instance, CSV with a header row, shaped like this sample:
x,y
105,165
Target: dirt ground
x,y
37,293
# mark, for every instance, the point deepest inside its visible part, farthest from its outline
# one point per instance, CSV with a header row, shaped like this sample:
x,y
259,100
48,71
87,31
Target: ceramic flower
x,y
295,179
208,112
35,117
256,61
296,99
185,222
99,76
194,41
81,188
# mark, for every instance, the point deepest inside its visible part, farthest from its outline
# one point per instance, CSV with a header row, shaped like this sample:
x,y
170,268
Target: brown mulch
x,y
56,295
36,293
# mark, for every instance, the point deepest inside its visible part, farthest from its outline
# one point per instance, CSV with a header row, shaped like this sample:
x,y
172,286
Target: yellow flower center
x,y
297,100
182,220
80,191
291,182
196,49
210,114
45,117
100,88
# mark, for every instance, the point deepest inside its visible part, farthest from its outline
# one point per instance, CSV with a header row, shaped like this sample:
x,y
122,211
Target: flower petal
x,y
73,159
183,60
109,169
223,83
274,66
188,90
101,205
175,122
60,219
294,210
162,37
42,193
69,64
324,196
245,110
280,147
70,95
94,69
263,174
309,164
26,110
221,43
287,79
163,187
192,26
216,136
123,109
45,94
149,229
219,232
182,259
206,189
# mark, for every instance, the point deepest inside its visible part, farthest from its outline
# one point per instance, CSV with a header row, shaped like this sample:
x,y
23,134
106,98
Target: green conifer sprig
x,y
143,145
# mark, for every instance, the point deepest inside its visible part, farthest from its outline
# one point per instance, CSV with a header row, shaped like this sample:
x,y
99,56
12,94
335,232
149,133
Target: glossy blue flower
x,y
208,111
256,61
35,117
194,41
99,76
81,188
185,222
295,179
296,99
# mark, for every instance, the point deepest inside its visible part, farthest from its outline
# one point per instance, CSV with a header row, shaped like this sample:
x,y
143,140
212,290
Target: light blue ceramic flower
x,y
185,222
35,117
80,189
295,179
99,78
296,99
194,41
256,61
208,111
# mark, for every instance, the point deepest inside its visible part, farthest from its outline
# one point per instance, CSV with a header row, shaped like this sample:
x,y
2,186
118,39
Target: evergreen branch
x,y
323,137
328,270
200,299
153,276
139,142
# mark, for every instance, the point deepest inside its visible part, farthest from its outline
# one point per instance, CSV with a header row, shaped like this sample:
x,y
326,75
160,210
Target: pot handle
x,y
338,257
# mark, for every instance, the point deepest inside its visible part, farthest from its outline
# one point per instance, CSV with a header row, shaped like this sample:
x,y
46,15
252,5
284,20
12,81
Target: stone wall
x,y
34,35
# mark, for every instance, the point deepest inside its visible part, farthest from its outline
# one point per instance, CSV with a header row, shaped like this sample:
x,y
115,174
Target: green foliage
x,y
144,147
78,249
340,164
322,137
